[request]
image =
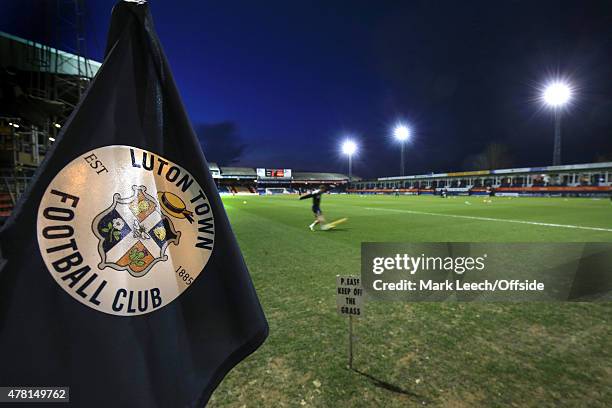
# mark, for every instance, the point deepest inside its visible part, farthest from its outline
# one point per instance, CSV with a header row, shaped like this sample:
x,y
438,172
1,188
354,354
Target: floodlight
x,y
557,94
349,147
401,132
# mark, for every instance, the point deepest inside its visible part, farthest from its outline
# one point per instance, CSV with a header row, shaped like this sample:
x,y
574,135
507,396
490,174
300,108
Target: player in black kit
x,y
316,205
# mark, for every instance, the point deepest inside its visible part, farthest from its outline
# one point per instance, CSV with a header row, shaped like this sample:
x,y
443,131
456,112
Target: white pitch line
x,y
470,217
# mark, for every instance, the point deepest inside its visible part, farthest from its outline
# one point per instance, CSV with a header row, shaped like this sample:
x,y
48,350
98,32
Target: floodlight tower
x,y
401,133
349,148
556,95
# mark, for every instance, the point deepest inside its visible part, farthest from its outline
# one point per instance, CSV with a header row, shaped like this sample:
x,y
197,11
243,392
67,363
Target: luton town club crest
x,y
133,233
125,231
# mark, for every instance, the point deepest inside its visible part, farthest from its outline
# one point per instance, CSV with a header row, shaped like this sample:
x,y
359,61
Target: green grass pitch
x,y
414,354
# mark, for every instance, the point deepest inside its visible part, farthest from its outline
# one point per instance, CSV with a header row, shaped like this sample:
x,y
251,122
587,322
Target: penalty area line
x,y
471,217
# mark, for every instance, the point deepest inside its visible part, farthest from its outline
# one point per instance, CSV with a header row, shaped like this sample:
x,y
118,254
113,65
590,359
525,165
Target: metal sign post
x,y
350,359
349,302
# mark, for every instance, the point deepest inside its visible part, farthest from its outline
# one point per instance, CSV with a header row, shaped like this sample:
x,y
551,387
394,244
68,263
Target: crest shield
x,y
133,233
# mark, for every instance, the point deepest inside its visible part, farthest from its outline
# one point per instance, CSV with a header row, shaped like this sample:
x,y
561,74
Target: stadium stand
x,y
235,180
39,87
246,180
584,180
215,171
243,190
318,177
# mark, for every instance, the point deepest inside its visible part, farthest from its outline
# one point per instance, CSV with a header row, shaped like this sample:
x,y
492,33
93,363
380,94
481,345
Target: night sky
x,y
280,84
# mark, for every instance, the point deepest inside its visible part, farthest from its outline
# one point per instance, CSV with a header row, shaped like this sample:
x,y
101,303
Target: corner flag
x,y
120,276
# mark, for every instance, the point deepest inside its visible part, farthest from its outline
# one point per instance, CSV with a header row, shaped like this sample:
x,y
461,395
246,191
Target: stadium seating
x,y
243,190
581,180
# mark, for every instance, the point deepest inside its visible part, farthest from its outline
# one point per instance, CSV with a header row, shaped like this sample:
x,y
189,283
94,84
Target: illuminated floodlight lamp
x,y
557,94
349,147
401,132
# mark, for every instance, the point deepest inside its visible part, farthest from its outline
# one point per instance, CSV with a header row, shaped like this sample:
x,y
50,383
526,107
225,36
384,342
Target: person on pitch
x,y
316,205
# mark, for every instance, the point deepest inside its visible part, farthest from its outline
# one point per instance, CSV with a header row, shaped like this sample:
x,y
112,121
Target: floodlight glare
x,y
401,133
557,94
349,147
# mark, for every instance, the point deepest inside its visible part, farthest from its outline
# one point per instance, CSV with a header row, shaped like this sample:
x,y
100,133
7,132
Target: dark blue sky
x,y
293,78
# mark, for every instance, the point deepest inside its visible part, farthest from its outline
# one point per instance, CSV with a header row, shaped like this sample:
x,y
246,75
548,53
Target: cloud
x,y
221,142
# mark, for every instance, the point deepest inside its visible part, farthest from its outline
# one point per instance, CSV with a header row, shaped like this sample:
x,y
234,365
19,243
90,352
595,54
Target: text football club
x,y
125,231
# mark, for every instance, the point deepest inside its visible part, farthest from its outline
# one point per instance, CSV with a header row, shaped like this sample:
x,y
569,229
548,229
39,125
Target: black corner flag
x,y
120,276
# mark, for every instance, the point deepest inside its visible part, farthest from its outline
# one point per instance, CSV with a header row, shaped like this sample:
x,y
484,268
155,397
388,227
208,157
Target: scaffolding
x,y
45,83
68,89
